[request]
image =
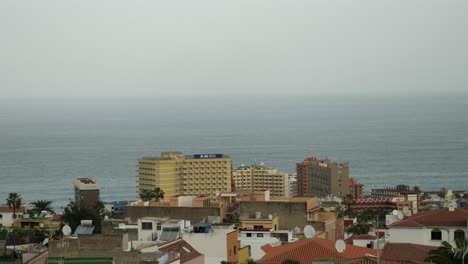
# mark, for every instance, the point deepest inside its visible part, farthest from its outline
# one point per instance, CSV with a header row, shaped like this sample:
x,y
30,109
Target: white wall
x,y
422,235
7,218
213,244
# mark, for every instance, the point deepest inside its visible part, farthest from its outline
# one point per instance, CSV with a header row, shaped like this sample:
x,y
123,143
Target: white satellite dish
x,y
400,215
406,210
297,230
46,241
395,212
309,231
340,246
66,230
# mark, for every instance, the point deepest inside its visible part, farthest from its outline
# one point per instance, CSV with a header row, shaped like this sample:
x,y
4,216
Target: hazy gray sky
x,y
118,48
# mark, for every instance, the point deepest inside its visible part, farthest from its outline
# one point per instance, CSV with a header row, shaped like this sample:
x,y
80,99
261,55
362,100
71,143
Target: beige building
x,y
328,177
257,178
179,174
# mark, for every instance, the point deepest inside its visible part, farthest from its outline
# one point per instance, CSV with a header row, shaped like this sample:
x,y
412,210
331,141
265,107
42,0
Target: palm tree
x,y
149,195
446,254
42,205
14,201
348,200
145,195
157,194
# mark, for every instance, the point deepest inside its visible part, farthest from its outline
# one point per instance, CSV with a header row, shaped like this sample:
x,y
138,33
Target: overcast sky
x,y
151,48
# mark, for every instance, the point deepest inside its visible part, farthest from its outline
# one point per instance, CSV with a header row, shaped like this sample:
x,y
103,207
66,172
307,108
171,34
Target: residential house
x,y
431,228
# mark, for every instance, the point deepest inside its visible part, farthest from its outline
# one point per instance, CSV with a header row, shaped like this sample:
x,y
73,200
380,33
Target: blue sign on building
x,y
208,156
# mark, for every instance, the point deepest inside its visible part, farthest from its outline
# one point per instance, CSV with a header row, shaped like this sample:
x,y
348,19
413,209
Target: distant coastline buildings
x,y
257,178
319,178
87,191
179,174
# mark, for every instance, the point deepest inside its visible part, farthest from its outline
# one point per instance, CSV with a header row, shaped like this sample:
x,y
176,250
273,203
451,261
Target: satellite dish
x,y
406,210
340,246
395,212
46,241
400,215
309,231
66,230
297,230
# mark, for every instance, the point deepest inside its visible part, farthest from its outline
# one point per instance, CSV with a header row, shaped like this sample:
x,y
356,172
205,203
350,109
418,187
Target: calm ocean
x,y
46,143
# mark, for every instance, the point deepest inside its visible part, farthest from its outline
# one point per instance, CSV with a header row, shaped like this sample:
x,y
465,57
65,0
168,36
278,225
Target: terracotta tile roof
x,y
439,217
266,248
373,260
6,209
406,252
306,251
186,251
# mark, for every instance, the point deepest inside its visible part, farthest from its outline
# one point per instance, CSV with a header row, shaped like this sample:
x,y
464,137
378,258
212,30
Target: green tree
x,y
75,212
158,194
14,201
41,205
348,200
465,196
425,196
359,229
442,192
446,254
152,195
417,189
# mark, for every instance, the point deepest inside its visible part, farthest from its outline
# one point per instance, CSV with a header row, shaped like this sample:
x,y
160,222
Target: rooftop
x,y
406,252
439,217
306,251
6,209
186,251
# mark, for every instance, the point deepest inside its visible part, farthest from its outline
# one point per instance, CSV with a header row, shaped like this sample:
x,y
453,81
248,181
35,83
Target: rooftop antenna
x,y
309,231
340,246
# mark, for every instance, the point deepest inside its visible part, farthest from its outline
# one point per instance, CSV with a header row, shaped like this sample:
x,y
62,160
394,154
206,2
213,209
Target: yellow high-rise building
x,y
257,178
179,174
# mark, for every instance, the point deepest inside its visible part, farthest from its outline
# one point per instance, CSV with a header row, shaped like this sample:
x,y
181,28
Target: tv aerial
x,y
340,246
309,231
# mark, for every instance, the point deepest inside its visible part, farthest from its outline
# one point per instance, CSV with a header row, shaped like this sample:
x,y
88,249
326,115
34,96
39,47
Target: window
x,y
1,216
147,226
235,250
158,226
249,234
436,234
459,234
260,235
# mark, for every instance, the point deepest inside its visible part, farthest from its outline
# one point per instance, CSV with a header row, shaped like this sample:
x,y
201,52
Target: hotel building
x,y
87,191
179,174
257,178
319,178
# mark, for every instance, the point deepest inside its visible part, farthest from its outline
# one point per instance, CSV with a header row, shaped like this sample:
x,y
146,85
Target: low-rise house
x,y
364,240
431,228
218,243
6,214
